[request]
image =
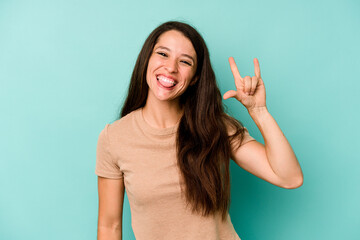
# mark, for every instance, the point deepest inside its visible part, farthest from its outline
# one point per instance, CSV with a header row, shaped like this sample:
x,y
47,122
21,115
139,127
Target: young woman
x,y
172,145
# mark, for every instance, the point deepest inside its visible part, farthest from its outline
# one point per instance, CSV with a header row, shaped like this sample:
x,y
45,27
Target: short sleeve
x,y
106,166
247,137
231,130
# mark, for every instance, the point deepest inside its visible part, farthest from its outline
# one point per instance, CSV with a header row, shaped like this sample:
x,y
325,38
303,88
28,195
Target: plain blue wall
x,y
64,71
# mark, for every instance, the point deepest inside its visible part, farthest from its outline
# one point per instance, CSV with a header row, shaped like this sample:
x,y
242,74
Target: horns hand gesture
x,y
250,91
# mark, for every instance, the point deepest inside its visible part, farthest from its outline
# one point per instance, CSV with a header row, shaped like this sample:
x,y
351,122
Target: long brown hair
x,y
202,141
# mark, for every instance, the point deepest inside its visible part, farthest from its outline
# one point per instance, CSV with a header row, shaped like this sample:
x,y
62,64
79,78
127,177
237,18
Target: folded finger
x,y
247,85
254,83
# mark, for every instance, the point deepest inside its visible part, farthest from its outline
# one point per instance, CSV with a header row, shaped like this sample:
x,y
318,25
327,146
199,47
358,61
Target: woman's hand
x,y
250,91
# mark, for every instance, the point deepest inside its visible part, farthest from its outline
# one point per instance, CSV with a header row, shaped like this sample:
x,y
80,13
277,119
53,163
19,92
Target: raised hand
x,y
250,91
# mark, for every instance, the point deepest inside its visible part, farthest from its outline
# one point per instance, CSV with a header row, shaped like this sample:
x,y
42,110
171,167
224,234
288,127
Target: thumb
x,y
229,94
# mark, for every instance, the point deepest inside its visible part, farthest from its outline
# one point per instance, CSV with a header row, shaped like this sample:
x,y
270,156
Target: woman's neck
x,y
162,114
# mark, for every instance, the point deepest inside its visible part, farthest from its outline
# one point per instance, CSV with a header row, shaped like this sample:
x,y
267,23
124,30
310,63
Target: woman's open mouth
x,y
165,82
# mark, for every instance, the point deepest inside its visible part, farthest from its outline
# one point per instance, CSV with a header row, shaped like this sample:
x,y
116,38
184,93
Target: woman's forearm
x,y
278,150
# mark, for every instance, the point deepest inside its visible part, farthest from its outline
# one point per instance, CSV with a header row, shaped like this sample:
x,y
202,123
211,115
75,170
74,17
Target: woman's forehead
x,y
175,41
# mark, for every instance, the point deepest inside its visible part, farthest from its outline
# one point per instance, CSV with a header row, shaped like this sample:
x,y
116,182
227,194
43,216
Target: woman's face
x,y
172,66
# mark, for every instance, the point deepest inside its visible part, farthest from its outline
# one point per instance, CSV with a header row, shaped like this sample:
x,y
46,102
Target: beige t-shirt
x,y
145,157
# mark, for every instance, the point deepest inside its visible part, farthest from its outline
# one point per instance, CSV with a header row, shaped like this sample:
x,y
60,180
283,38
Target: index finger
x,y
234,68
257,68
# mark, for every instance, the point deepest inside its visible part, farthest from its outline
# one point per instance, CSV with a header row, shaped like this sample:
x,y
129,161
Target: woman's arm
x,y
275,162
111,198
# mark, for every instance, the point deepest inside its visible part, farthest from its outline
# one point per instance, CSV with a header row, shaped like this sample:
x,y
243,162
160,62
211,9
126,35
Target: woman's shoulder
x,y
122,126
122,122
237,130
232,124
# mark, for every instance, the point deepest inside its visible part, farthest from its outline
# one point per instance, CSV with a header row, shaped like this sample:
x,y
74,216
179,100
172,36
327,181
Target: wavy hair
x,y
203,139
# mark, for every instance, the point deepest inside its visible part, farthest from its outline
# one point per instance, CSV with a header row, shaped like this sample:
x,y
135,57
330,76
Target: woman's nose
x,y
171,65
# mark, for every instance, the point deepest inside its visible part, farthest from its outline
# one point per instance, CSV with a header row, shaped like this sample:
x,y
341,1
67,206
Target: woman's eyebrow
x,y
183,54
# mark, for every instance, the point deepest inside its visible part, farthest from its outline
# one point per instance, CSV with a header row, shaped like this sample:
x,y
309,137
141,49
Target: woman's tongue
x,y
166,83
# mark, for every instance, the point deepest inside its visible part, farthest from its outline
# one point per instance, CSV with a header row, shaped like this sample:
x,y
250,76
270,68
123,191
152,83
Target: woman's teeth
x,y
166,81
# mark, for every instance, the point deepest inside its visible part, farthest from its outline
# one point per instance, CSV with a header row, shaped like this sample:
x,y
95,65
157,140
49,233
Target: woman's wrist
x,y
256,111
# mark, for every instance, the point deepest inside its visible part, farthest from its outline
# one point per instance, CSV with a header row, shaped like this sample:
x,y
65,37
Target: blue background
x,y
64,71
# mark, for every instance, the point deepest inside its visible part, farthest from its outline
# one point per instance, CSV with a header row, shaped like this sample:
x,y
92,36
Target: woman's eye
x,y
162,54
186,62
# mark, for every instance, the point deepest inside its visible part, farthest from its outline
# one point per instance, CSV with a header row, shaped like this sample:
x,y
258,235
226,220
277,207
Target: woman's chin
x,y
165,97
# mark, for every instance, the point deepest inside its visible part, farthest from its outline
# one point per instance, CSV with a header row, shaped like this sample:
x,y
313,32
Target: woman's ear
x,y
194,80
